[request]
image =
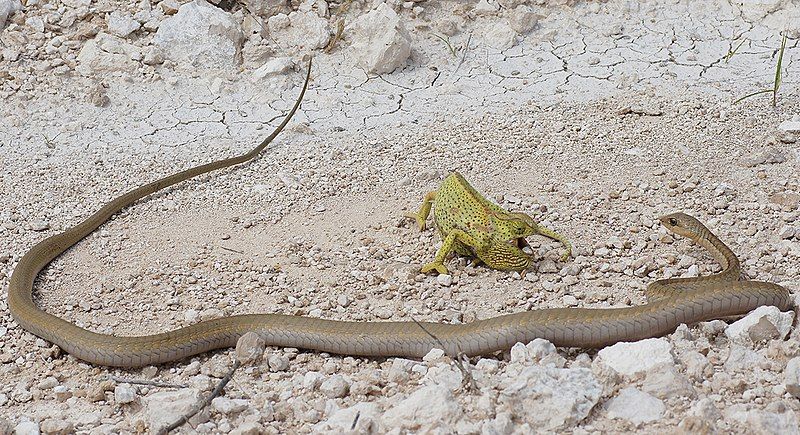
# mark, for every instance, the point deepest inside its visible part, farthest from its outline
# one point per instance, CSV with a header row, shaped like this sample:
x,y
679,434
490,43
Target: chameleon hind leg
x,y
448,245
424,210
556,236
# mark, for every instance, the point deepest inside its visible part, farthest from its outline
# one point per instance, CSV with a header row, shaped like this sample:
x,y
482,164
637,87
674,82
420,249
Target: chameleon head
x,y
521,225
682,224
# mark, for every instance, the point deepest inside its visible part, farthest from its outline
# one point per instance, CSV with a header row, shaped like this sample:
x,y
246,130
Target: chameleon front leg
x,y
448,245
555,236
424,211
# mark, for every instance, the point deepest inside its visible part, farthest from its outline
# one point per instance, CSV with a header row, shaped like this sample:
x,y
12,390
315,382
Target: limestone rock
x,y
550,398
121,24
763,323
276,66
7,9
227,406
764,422
523,19
267,8
341,420
57,426
201,36
162,408
300,30
742,359
635,406
501,36
425,410
792,377
381,42
250,348
124,393
631,359
105,54
666,382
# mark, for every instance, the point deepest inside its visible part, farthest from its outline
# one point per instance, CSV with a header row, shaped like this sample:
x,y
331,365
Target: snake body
x,y
673,302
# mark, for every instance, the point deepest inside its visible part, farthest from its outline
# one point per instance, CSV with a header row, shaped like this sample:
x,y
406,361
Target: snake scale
x,y
670,303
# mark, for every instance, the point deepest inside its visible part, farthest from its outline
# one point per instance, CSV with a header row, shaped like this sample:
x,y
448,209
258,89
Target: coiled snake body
x,y
671,302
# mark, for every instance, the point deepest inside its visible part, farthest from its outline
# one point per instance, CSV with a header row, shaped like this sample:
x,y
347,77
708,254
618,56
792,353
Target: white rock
x,y
266,8
764,422
276,66
201,36
312,380
697,365
124,393
334,387
427,409
761,324
666,382
533,352
792,377
631,359
26,428
341,420
227,406
248,428
7,9
501,36
433,355
105,54
250,348
522,19
444,280
381,42
549,398
742,359
445,375
161,408
278,363
790,125
300,30
635,406
57,426
121,24
705,409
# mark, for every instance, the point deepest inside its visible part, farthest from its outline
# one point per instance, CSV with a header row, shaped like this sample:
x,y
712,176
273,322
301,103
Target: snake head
x,y
681,224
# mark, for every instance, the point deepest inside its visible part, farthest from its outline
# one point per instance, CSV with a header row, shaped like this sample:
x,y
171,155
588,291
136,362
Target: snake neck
x,y
731,268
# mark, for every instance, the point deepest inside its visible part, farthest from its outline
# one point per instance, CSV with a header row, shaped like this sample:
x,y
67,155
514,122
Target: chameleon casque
x,y
471,225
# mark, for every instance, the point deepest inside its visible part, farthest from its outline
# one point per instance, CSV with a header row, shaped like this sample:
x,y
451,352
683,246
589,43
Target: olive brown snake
x,y
671,302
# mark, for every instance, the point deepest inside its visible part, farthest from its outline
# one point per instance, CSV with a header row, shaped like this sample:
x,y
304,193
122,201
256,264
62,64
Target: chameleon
x,y
473,226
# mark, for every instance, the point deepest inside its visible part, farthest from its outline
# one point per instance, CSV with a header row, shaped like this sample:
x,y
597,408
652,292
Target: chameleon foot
x,y
420,220
439,267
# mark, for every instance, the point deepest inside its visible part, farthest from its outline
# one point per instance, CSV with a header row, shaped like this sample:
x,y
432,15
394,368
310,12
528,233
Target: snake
x,y
670,302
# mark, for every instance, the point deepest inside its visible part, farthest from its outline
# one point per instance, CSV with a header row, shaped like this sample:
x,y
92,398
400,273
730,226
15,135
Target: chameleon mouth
x,y
520,242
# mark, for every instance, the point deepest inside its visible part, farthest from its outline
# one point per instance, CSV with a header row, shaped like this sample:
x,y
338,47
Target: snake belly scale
x,y
675,302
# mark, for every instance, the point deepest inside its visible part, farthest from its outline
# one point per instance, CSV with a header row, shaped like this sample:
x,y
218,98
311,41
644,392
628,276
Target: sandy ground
x,y
601,119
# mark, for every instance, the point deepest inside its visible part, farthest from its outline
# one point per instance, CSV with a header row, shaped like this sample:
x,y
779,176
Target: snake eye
x,y
673,222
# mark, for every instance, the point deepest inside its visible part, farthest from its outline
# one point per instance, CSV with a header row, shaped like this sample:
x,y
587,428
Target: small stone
x,y
523,19
444,280
433,355
666,382
380,41
121,24
429,407
161,408
792,377
335,387
227,406
26,428
47,383
278,363
248,428
124,393
361,418
763,323
40,225
57,426
786,232
635,406
276,66
742,359
250,348
631,359
547,266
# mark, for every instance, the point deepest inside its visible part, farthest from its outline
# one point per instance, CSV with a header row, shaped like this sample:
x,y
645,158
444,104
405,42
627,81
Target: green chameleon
x,y
474,226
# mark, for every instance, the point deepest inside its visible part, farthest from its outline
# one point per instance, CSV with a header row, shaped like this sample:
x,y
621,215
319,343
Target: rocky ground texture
x,y
594,117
